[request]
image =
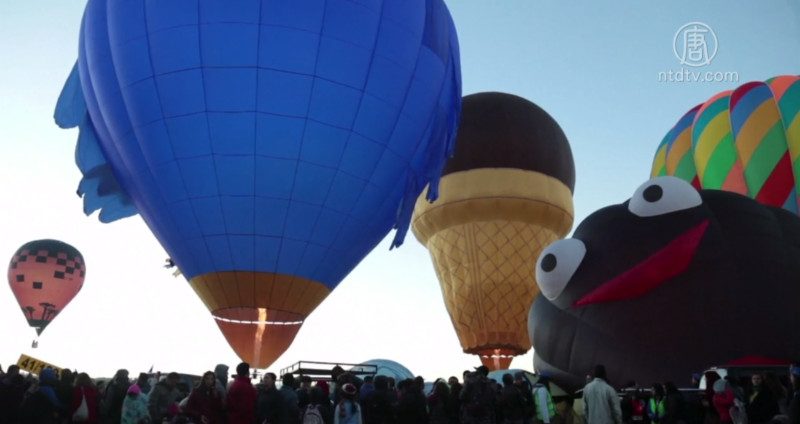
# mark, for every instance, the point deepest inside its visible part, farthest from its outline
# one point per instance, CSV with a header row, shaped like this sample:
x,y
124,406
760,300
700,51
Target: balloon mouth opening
x,y
258,317
496,351
258,335
238,321
497,359
497,356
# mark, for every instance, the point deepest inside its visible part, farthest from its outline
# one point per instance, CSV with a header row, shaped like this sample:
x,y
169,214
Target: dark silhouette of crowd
x,y
760,398
346,398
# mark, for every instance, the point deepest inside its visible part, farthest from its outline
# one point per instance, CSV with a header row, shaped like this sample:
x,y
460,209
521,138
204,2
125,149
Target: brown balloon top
x,y
500,130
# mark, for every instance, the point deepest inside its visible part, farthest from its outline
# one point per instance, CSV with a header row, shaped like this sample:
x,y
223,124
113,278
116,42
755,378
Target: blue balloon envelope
x,y
268,144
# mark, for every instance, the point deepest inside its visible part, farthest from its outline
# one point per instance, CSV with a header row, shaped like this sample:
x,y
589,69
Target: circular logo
x,y
695,44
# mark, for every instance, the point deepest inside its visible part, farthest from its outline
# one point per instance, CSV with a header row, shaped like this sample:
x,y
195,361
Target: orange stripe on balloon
x,y
711,101
735,182
679,148
754,129
779,85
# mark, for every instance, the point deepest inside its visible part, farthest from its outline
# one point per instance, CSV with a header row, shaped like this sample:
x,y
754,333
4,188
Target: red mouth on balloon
x,y
668,262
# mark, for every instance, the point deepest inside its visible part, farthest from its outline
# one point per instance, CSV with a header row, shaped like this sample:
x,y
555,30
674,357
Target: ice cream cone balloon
x,y
504,195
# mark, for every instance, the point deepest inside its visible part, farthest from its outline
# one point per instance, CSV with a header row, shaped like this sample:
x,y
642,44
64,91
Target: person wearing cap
x,y
600,401
134,407
348,411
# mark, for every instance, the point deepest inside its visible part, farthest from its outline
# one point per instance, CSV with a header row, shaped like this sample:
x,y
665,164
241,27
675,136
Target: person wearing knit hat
x,y
348,410
134,407
322,384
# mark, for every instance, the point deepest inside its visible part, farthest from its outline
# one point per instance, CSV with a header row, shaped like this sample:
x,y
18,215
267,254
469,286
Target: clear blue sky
x,y
593,65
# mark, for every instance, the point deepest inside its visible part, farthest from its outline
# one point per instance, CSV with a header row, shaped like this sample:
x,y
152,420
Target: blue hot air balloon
x,y
268,144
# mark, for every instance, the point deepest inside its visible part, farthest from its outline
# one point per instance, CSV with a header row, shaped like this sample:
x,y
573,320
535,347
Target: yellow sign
x,y
35,366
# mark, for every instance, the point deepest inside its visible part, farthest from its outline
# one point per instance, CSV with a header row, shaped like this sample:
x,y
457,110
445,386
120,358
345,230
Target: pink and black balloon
x,y
668,283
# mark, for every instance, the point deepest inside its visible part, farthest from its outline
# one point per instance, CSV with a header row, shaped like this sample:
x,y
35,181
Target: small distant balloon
x,y
45,275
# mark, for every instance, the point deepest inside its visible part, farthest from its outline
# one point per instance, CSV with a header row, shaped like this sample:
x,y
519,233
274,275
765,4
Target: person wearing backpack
x,y
319,409
348,410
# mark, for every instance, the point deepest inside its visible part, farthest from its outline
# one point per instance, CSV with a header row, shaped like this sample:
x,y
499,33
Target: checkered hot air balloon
x,y
746,141
45,275
268,144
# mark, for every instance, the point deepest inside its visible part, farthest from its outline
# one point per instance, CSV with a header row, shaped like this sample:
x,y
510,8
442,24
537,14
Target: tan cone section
x,y
259,313
484,235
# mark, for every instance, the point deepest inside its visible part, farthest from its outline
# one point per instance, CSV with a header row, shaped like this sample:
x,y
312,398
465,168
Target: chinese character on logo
x,y
695,44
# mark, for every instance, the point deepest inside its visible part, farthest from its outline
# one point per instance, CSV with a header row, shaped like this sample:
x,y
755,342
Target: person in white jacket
x,y
600,400
348,411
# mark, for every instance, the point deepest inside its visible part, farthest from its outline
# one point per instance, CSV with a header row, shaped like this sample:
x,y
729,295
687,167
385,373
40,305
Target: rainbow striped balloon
x,y
746,141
